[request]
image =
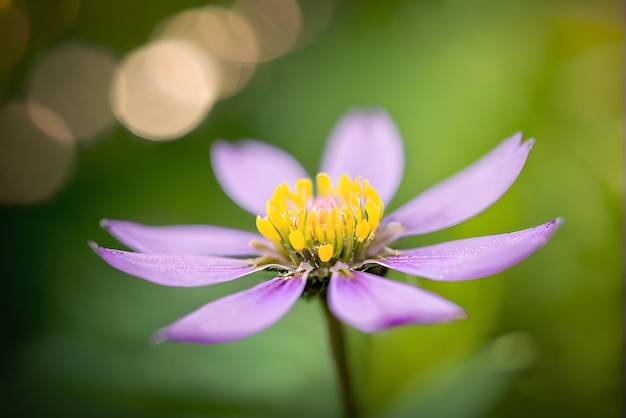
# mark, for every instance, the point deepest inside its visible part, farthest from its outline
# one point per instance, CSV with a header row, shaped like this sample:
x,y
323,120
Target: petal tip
x,y
219,143
450,313
553,226
378,111
516,138
94,246
459,315
107,254
158,337
530,143
105,223
219,147
445,316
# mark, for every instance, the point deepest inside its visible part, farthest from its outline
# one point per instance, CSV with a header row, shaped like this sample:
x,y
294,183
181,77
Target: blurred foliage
x,y
544,339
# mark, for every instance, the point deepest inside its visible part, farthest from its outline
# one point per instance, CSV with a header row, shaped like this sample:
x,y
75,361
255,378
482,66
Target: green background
x,y
543,339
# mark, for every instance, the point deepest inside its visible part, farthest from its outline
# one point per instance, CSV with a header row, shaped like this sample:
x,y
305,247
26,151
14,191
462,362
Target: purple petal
x,y
371,303
249,171
183,239
472,258
177,270
467,193
366,144
236,316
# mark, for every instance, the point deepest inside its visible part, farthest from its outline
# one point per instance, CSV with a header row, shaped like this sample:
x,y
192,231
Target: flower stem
x,y
338,345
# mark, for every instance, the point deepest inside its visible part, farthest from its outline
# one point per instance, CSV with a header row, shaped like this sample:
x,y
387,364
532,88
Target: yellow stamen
x,y
334,225
266,229
325,252
374,212
296,239
362,231
324,186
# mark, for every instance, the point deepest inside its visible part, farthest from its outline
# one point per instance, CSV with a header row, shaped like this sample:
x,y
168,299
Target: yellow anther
x,y
345,188
296,239
325,252
348,222
298,219
374,212
362,231
318,229
304,189
266,229
330,231
324,186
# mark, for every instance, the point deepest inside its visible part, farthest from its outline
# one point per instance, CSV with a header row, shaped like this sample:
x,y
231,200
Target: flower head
x,y
337,224
326,240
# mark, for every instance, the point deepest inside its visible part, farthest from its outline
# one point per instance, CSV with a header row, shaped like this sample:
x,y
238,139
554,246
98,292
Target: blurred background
x,y
109,110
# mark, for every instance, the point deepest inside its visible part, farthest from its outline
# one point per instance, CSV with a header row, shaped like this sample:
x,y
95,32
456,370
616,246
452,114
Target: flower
x,y
327,242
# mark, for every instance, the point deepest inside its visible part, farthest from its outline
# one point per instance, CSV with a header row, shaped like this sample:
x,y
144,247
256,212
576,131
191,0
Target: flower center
x,y
336,225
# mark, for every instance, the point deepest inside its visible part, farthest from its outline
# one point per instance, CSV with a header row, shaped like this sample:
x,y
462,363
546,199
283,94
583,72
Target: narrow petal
x,y
370,303
467,193
236,316
471,258
366,144
177,270
249,171
183,239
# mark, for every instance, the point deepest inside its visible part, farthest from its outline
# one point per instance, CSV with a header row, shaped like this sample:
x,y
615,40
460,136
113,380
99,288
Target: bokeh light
x,y
228,35
165,89
276,24
316,16
223,36
36,153
73,79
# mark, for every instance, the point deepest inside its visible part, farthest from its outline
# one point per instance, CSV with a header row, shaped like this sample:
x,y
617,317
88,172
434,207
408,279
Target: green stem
x,y
338,345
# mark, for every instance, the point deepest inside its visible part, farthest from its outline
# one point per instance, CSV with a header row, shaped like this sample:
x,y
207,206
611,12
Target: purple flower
x,y
327,241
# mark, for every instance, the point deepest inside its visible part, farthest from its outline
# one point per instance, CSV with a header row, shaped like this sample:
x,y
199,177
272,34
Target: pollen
x,y
335,224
